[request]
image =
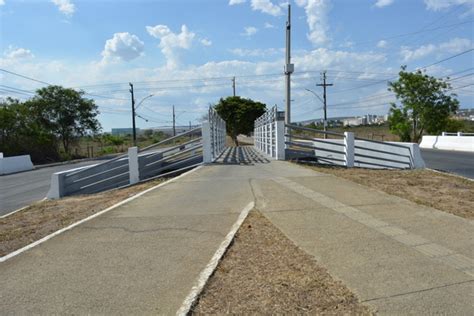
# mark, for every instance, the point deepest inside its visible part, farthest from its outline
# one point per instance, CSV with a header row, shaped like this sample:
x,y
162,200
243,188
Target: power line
x,y
414,33
49,84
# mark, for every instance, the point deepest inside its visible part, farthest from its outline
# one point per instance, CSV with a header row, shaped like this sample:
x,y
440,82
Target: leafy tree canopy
x,y
425,105
239,115
64,112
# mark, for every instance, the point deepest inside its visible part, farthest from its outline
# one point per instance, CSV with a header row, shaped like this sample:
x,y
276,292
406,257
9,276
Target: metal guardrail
x,y
345,149
217,133
268,133
456,134
185,150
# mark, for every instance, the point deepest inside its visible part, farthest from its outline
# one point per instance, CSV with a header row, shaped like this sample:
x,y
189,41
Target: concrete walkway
x,y
144,257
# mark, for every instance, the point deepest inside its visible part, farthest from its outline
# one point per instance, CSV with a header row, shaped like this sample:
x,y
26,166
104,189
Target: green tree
x,y
64,112
239,115
21,133
425,105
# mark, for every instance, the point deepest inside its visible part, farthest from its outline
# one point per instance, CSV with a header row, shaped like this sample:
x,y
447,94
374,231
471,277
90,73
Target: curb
x,y
62,230
450,174
205,274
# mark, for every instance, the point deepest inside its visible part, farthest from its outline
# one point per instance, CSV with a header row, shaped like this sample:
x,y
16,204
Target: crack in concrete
x,y
128,230
415,292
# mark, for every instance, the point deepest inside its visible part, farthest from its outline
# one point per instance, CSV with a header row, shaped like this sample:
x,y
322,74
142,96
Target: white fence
x,y
347,150
277,140
269,134
173,155
214,136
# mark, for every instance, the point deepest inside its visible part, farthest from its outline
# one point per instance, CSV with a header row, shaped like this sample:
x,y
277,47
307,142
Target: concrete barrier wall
x,y
369,154
15,164
461,143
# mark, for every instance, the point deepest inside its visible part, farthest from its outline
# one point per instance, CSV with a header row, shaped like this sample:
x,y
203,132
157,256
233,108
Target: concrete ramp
x,y
144,256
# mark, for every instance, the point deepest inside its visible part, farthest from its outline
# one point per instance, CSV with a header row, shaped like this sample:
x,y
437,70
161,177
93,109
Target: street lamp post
x,y
320,99
134,108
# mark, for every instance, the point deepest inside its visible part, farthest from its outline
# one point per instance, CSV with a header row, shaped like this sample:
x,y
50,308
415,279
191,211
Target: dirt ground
x,y
43,218
263,272
444,192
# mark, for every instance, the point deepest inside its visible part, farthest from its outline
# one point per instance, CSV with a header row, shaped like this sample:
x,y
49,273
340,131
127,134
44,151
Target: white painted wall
x,y
15,164
366,162
461,143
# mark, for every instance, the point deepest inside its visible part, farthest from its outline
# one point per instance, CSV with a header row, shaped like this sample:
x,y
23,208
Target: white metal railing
x,y
269,130
456,134
172,155
214,136
344,149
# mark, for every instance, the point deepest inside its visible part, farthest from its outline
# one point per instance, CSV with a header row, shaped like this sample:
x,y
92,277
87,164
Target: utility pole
x,y
133,115
189,125
174,123
289,68
233,85
324,85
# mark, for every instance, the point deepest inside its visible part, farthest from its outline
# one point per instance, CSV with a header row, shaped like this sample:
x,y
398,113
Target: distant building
x,y
355,121
369,119
465,114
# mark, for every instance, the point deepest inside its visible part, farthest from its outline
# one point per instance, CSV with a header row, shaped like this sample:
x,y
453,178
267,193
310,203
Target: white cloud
x,y
268,25
122,46
266,6
453,46
382,44
250,30
170,42
17,53
316,17
383,3
256,52
437,5
65,6
2,2
233,2
420,52
206,42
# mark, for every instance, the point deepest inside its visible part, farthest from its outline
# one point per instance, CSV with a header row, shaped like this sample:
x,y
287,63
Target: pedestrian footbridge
x,y
273,140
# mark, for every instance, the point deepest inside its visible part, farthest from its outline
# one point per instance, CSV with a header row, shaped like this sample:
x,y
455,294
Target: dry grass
x,y
43,218
444,192
263,272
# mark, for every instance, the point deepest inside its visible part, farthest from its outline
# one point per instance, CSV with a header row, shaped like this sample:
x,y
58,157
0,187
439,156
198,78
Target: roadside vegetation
x,y
47,125
441,191
263,272
60,124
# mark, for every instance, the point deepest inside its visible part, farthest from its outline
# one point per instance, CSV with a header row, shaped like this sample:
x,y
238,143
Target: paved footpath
x,y
143,257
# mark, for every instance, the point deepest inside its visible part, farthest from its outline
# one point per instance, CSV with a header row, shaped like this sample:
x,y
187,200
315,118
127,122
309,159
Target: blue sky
x,y
185,52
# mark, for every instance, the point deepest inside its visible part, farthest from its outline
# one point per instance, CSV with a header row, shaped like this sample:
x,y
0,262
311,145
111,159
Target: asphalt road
x,y
21,189
461,163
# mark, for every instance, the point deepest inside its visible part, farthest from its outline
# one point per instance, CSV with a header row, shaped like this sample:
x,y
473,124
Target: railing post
x,y
134,172
459,133
349,149
443,134
206,142
280,139
270,139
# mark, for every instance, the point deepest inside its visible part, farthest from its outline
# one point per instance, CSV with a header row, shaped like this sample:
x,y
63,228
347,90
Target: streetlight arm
x,y
140,103
315,94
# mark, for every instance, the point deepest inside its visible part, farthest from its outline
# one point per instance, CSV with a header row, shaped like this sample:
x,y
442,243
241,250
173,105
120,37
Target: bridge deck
x,y
144,256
